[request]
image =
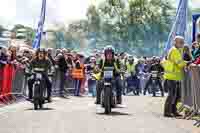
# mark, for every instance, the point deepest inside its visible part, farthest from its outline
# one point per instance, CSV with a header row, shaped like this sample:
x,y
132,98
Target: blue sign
x,y
37,40
179,26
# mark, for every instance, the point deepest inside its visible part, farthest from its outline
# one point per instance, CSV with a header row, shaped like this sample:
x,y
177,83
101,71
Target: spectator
x,y
198,39
155,67
195,50
187,54
78,75
13,51
50,55
92,69
62,68
3,57
173,75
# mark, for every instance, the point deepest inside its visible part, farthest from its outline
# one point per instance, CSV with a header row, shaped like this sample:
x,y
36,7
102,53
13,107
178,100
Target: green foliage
x,y
27,31
2,29
136,26
139,24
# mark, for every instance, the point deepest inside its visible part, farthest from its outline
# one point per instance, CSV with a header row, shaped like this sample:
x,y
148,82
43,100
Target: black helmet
x,y
41,50
109,49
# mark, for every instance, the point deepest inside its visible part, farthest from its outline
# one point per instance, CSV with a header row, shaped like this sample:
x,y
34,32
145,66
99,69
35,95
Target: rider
x,y
41,61
156,66
110,61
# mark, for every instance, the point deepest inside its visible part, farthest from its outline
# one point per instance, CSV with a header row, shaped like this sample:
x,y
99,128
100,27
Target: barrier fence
x,y
190,93
14,84
7,74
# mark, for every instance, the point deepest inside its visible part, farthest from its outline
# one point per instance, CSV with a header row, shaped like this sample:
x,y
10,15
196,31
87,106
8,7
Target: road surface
x,y
80,115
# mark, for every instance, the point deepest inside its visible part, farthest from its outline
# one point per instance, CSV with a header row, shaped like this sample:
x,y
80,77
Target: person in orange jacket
x,y
78,75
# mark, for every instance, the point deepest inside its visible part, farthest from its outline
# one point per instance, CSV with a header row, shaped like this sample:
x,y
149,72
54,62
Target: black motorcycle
x,y
154,86
39,88
108,94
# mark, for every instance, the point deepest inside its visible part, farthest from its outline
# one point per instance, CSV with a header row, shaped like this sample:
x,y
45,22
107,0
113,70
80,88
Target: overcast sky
x,y
27,11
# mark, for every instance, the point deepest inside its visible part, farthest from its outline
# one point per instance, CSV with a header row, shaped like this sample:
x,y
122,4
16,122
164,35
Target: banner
x,y
36,42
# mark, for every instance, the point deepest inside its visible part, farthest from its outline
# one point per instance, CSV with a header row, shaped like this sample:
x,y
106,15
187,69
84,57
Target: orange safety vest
x,y
78,73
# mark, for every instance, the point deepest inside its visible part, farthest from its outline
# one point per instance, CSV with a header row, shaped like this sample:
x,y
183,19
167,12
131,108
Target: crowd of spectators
x,y
64,61
67,62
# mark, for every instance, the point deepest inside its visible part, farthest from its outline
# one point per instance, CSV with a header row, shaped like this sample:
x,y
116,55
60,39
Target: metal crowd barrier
x,y
69,83
190,92
6,73
15,86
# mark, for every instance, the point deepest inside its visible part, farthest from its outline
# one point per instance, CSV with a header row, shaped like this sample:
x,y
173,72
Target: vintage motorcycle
x,y
108,94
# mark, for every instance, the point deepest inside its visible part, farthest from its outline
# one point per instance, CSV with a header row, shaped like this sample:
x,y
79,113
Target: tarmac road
x,y
142,114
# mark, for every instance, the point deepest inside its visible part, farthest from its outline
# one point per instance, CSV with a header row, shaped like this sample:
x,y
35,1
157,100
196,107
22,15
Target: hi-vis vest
x,y
98,75
130,68
78,73
174,65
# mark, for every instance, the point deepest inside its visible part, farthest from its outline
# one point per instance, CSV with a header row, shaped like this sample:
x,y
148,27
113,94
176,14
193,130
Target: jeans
x,y
62,82
92,87
77,87
133,81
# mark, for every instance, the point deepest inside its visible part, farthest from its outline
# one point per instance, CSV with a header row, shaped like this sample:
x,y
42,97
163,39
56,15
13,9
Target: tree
x,y
2,29
28,32
135,26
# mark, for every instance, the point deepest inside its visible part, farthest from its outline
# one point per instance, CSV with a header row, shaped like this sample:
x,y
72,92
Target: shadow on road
x,y
115,113
43,109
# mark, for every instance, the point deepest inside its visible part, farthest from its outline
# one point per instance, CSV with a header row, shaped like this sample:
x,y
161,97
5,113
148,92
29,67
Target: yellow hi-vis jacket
x,y
130,68
174,65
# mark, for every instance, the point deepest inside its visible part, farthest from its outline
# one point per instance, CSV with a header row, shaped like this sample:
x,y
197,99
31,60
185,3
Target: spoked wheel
x,y
36,104
36,100
102,98
107,100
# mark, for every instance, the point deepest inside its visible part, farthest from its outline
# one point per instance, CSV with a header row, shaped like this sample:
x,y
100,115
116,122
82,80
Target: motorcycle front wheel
x,y
36,96
107,99
35,104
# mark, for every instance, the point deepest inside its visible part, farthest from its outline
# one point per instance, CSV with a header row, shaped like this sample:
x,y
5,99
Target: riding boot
x,y
119,99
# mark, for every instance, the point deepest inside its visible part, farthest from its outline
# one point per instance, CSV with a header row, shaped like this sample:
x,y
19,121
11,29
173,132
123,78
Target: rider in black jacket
x,y
41,61
156,66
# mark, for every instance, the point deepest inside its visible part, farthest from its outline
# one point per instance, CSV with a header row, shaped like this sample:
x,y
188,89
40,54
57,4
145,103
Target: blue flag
x,y
179,26
37,40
